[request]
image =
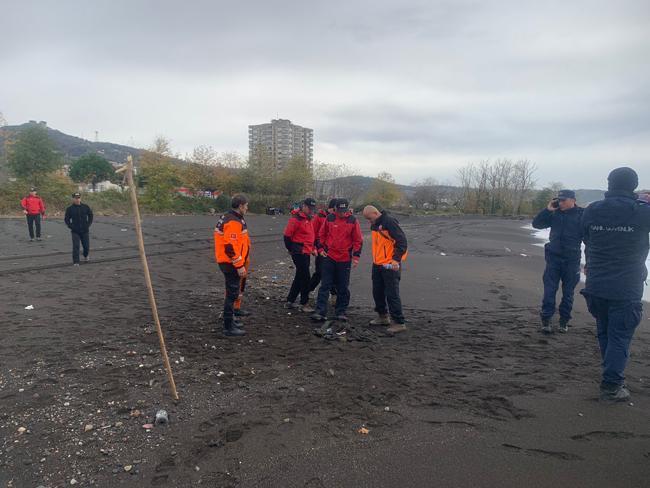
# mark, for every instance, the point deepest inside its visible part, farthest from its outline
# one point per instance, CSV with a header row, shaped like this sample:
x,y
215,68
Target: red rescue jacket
x,y
340,237
317,222
33,204
299,233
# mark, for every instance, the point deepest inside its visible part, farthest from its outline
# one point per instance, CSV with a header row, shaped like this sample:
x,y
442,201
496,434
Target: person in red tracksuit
x,y
299,240
34,209
318,221
340,242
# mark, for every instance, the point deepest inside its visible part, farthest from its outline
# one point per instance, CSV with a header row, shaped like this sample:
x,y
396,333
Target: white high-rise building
x,y
281,141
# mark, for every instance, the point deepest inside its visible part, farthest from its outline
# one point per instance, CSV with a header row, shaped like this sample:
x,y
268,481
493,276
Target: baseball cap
x,y
76,195
564,194
310,202
342,204
332,203
33,188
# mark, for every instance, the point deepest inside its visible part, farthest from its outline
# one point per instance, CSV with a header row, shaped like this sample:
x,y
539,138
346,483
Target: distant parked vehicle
x,y
274,211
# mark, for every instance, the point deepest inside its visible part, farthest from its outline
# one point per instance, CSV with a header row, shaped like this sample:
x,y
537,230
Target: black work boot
x,y
230,330
564,325
243,313
546,325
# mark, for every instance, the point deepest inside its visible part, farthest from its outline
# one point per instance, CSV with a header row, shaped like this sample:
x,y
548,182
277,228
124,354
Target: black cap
x,y
623,179
342,204
564,194
76,195
332,203
310,202
33,188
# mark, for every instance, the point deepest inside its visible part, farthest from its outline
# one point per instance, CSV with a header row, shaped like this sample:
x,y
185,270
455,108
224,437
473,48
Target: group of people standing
x,y
78,218
615,236
333,237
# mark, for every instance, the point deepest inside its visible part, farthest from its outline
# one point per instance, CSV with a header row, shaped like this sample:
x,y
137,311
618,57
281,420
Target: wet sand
x,y
471,395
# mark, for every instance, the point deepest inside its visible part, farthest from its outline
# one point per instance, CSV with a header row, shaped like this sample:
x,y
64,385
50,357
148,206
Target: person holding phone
x,y
562,254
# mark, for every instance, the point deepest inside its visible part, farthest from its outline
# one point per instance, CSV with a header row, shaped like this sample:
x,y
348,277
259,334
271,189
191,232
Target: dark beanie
x,y
623,179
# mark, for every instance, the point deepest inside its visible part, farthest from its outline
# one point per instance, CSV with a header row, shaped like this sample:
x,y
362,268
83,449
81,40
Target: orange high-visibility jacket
x,y
231,240
388,241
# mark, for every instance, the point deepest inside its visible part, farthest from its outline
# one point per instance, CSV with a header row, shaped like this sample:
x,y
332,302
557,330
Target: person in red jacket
x,y
34,209
340,242
318,221
299,240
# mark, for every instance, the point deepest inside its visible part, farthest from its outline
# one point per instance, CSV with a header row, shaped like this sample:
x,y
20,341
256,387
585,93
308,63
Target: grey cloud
x,y
420,80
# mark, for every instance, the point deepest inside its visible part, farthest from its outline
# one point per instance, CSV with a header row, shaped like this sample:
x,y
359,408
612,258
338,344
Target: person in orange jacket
x,y
34,210
232,252
389,249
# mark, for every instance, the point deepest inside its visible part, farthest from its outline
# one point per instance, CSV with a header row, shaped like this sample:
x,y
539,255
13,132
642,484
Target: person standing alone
x,y
299,240
562,254
232,252
388,251
34,210
616,248
79,218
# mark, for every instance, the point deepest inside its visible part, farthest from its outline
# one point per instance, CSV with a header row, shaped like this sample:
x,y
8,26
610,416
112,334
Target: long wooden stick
x,y
147,276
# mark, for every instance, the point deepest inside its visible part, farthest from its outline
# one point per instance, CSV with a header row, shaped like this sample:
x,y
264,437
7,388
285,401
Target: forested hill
x,y
72,147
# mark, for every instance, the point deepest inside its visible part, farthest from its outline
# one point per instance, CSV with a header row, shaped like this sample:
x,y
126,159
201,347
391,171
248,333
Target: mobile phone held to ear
x,y
555,203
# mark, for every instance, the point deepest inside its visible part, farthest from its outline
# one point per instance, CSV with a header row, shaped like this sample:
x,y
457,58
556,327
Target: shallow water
x,y
542,236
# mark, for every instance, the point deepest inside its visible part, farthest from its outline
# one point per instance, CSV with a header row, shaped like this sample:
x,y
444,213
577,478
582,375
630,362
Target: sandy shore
x,y
472,395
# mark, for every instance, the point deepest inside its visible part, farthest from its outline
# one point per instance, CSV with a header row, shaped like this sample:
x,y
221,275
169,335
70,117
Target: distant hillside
x,y
72,147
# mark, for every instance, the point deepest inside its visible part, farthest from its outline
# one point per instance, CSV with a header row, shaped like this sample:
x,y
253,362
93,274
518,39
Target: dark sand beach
x,y
472,395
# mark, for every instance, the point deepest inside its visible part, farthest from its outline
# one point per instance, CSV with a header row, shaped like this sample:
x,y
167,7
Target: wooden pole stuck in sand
x,y
147,276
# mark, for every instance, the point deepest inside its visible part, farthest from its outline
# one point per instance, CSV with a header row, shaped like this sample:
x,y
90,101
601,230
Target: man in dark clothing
x,y
34,210
562,254
340,242
616,247
388,251
299,240
79,218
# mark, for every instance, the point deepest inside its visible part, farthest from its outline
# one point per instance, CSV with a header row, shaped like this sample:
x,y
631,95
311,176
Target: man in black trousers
x,y
79,218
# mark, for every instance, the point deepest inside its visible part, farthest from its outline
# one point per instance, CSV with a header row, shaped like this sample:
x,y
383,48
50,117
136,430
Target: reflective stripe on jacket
x,y
231,240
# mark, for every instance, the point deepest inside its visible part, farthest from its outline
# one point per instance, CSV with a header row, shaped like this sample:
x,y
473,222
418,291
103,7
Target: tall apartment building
x,y
281,141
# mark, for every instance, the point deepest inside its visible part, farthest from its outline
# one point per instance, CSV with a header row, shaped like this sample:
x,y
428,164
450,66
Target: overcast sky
x,y
414,88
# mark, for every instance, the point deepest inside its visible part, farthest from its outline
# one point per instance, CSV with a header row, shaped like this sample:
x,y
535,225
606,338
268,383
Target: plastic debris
x,y
162,417
147,426
29,307
21,430
363,431
443,254
88,427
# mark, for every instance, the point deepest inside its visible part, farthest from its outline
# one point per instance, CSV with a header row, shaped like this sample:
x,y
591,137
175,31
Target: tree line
x,y
500,187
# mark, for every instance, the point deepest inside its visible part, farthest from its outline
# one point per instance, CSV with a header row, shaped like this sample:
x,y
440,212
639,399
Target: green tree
x,y
296,179
545,195
384,192
91,168
161,176
33,155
